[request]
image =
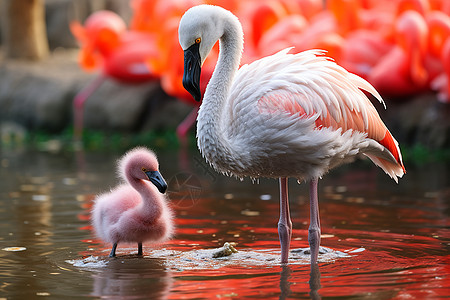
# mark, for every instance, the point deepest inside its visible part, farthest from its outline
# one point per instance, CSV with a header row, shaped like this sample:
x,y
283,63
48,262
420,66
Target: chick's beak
x,y
192,70
156,178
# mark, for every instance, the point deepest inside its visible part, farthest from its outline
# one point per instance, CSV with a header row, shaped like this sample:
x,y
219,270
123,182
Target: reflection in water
x,y
286,281
285,285
133,277
314,282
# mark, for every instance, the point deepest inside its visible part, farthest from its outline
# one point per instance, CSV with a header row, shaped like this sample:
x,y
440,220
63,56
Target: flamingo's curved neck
x,y
150,208
210,138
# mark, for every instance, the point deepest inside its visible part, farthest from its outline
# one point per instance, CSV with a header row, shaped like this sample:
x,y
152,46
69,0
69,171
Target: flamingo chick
x,y
135,211
285,115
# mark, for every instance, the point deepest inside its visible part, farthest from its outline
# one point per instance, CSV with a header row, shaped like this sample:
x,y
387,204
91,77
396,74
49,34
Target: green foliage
x,y
93,140
420,154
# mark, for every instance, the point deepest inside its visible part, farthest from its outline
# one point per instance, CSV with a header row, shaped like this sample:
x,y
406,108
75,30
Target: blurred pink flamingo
x,y
402,70
120,54
442,82
136,211
439,52
362,50
285,115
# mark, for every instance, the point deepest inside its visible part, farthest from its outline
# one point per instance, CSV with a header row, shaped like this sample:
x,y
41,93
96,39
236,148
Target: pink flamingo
x,y
402,71
281,34
439,52
442,82
121,54
257,18
136,211
285,115
362,50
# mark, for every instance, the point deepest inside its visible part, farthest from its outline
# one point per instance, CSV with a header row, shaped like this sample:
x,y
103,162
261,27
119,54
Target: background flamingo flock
x,y
401,47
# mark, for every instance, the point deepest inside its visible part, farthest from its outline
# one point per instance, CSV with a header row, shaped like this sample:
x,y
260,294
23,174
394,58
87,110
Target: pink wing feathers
x,y
313,86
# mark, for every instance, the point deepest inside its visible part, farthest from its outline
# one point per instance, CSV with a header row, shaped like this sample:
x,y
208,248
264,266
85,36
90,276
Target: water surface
x,y
387,241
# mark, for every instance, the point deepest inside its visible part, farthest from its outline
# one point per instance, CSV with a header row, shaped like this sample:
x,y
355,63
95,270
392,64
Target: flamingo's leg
x,y
314,226
284,224
187,123
139,249
113,250
78,104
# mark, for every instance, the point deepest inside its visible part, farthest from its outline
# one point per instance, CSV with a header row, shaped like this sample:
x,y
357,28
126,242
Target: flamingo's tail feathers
x,y
386,154
392,145
393,169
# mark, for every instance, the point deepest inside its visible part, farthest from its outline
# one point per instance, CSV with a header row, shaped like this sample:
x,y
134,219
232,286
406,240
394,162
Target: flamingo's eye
x,y
144,169
198,40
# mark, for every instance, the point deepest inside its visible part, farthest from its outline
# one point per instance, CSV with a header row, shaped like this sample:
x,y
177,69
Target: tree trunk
x,y
24,33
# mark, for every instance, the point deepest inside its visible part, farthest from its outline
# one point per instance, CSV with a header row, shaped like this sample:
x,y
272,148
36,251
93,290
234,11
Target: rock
x,y
164,112
132,108
36,95
226,250
116,106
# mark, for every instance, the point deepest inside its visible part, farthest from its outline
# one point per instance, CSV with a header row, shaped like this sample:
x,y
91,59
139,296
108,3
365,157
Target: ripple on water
x,y
90,262
202,259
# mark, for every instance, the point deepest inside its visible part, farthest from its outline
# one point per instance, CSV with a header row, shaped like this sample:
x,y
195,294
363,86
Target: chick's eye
x,y
198,40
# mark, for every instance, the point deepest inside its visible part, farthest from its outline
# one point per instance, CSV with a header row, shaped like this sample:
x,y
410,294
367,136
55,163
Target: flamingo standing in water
x,y
136,211
285,115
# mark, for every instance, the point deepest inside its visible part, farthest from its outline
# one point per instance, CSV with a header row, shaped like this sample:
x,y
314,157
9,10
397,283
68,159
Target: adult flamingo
x,y
285,115
137,210
120,54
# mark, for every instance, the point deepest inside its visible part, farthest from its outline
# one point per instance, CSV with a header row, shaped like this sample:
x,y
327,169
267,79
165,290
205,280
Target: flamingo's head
x,y
141,164
200,28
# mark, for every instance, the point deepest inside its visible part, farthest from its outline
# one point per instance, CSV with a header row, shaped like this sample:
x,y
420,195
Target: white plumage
x,y
262,100
285,115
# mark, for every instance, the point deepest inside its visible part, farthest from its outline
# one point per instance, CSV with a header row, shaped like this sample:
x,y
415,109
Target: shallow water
x,y
386,241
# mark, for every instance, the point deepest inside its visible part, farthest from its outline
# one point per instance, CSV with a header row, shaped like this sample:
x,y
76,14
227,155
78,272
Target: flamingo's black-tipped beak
x,y
192,70
156,178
